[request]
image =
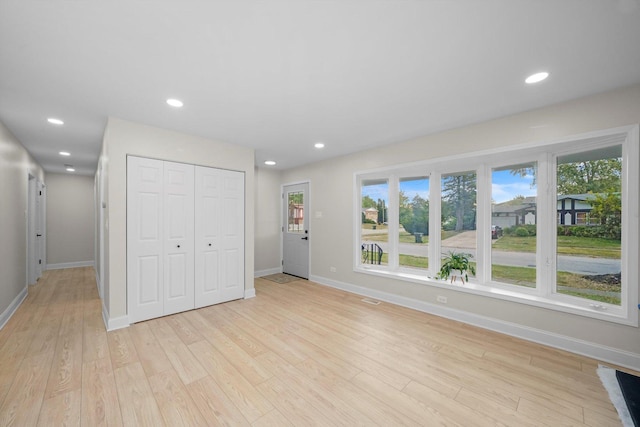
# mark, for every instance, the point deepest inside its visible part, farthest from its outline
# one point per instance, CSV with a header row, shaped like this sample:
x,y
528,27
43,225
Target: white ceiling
x,y
279,76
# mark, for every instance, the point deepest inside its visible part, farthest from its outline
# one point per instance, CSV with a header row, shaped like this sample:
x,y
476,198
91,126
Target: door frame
x,y
31,229
282,222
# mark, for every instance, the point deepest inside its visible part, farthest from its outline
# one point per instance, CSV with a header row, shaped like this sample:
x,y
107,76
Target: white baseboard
x,y
563,342
267,272
249,293
63,265
15,304
113,324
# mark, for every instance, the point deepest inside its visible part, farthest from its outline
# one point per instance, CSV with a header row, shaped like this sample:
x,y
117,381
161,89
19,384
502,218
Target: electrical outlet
x,y
332,269
442,299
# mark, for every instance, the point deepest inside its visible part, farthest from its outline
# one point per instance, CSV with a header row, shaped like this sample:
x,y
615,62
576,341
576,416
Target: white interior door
x,y
219,221
295,240
40,245
232,233
207,236
145,277
178,237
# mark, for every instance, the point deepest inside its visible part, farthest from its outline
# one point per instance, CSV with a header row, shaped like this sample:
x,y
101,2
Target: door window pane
x,y
296,212
374,226
589,233
458,212
514,224
413,229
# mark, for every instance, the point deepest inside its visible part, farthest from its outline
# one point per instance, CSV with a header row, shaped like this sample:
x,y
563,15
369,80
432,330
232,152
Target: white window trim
x,y
545,153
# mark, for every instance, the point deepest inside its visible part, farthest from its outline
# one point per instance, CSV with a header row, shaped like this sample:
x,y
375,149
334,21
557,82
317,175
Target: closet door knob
x,y
178,245
209,244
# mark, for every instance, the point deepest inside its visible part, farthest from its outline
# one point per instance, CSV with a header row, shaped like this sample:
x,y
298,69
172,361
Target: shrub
x,y
522,232
595,231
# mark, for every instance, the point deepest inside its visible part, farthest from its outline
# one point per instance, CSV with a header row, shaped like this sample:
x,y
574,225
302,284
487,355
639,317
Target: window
x,y
296,212
413,223
458,213
588,258
551,225
514,224
373,224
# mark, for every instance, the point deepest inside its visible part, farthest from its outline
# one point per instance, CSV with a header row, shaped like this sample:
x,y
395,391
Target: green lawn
x,y
408,261
567,245
568,283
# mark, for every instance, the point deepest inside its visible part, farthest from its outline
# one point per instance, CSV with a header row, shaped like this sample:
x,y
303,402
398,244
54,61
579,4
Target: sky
x,y
504,187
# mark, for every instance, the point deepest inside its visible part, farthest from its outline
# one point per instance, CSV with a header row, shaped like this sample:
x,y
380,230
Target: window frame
x,y
482,162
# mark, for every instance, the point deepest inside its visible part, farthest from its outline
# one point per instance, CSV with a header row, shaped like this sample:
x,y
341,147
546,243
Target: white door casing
x,y
178,237
295,235
31,232
145,204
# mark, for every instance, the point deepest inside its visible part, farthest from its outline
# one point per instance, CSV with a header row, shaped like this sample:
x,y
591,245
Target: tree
x,y
382,211
368,202
590,176
525,171
607,210
414,215
405,213
459,200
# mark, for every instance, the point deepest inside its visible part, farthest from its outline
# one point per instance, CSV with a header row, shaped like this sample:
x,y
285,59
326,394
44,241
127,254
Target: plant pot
x,y
455,274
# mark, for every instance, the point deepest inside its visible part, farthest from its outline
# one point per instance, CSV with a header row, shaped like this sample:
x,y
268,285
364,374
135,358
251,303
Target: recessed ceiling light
x,y
175,102
64,153
537,77
270,163
319,145
55,121
71,170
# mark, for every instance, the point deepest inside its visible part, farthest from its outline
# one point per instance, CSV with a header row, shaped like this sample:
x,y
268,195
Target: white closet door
x,y
232,234
145,291
178,237
207,236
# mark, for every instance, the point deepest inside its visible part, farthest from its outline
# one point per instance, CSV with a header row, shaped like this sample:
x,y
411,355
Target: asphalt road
x,y
573,264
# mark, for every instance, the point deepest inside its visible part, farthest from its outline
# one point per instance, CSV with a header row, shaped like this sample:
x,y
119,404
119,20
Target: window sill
x,y
586,308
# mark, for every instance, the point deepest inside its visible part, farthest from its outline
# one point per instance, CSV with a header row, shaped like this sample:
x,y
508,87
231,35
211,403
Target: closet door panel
x,y
145,279
178,237
232,228
207,245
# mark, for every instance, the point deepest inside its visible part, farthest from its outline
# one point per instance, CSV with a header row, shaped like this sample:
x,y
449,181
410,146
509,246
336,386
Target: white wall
x,y
70,220
15,166
332,193
268,222
123,138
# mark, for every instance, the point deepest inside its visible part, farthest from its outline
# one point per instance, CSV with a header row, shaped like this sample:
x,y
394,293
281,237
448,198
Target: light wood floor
x,y
298,354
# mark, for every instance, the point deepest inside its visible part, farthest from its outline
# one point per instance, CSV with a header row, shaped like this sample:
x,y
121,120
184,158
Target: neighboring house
x,y
514,212
573,209
371,213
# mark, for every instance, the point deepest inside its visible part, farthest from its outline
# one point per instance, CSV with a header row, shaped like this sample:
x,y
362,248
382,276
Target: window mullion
x,y
483,226
393,221
434,222
547,227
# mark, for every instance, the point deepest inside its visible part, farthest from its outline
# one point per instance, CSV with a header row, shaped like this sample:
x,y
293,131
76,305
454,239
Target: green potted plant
x,y
456,264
